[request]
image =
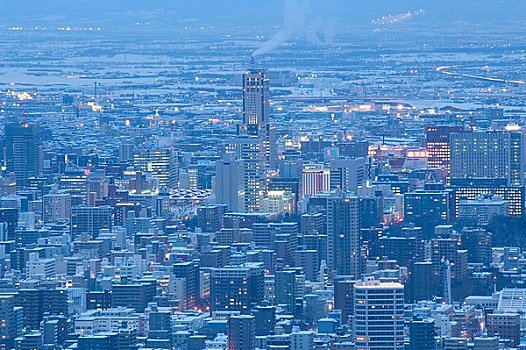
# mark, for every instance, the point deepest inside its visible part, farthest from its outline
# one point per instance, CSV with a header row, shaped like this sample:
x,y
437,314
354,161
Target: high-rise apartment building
x,y
189,271
235,288
422,334
8,328
343,231
241,332
378,315
23,151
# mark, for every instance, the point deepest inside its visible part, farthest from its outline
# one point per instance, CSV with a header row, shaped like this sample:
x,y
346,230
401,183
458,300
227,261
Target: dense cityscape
x,y
238,187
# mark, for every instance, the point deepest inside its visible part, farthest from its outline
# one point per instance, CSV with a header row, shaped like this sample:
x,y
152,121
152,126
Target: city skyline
x,y
286,174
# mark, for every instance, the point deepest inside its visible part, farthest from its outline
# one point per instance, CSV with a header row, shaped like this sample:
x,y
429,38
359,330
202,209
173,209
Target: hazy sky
x,y
255,12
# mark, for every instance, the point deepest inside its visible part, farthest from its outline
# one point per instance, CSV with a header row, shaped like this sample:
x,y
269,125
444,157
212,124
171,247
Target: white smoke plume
x,y
298,22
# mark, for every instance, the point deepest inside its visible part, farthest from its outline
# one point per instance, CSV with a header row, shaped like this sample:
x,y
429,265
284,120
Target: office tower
x,y
90,220
504,325
74,181
265,318
309,261
29,341
437,145
421,287
256,101
98,300
160,325
471,189
235,288
301,340
8,328
488,155
450,268
371,211
477,242
343,233
7,183
454,343
312,224
289,284
126,339
197,176
126,152
189,271
97,186
197,342
285,245
27,237
161,163
241,332
290,185
486,343
54,330
353,149
105,341
248,150
378,315
23,151
370,240
315,178
209,217
343,296
256,108
290,165
30,301
511,258
9,216
427,208
480,212
404,250
347,174
56,207
279,202
264,234
315,147
230,182
37,185
37,302
422,334
38,268
135,295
